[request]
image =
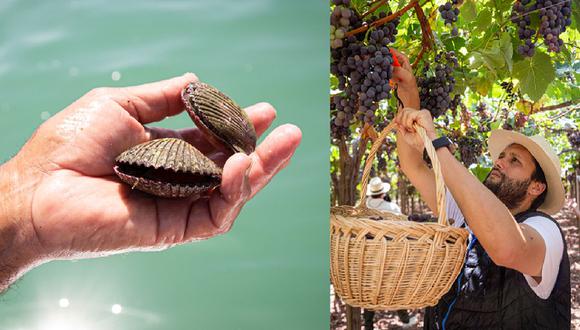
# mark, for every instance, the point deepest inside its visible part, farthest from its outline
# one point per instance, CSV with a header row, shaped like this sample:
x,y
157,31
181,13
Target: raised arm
x,y
410,158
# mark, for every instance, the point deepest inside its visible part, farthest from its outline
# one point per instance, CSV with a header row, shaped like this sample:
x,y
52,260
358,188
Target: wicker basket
x,y
393,263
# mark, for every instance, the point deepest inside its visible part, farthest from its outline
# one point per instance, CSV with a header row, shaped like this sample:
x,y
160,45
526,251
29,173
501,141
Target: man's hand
x,y
406,120
66,202
407,85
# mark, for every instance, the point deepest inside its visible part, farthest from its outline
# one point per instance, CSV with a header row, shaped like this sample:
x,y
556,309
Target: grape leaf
x,y
333,82
502,5
483,21
507,49
483,85
480,172
358,5
575,15
535,75
492,58
468,11
454,43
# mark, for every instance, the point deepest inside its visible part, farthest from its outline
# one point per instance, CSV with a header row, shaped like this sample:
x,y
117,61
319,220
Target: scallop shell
x,y
220,117
167,168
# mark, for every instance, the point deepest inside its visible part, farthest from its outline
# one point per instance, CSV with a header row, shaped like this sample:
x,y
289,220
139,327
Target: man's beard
x,y
511,192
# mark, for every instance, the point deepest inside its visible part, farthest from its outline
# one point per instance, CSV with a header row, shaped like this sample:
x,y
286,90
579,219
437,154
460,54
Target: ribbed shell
x,y
170,154
162,189
221,116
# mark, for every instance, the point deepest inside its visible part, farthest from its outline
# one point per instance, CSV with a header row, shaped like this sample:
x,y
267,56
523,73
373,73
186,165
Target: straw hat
x,y
543,153
377,186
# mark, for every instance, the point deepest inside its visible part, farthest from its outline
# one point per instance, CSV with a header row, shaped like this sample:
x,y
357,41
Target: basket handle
x,y
439,183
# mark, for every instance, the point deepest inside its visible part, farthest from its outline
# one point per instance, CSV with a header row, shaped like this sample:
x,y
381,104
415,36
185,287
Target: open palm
x,y
79,208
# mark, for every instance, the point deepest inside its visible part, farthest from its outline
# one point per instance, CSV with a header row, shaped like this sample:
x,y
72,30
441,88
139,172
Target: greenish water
x,y
271,270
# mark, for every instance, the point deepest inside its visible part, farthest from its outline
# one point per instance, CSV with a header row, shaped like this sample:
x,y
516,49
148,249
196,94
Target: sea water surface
x,y
271,270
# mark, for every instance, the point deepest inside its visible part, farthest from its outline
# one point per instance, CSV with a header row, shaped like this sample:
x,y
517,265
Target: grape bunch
x,y
520,120
507,125
342,115
449,12
484,117
340,22
384,34
435,87
574,138
521,18
511,95
554,18
363,69
470,148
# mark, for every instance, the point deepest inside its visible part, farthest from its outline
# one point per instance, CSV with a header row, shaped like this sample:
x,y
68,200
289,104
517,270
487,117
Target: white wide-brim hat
x,y
377,186
544,155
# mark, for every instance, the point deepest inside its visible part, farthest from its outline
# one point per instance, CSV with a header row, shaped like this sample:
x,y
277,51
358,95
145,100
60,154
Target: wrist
x,y
17,241
409,94
432,135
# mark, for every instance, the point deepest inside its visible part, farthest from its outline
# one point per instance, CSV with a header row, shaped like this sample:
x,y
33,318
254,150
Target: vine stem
x,y
377,5
558,106
564,113
426,34
383,20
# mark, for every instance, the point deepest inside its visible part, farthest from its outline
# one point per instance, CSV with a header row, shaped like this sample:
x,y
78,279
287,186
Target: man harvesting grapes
x,y
517,272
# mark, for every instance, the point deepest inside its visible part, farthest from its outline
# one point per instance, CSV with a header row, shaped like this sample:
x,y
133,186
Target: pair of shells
x,y
171,167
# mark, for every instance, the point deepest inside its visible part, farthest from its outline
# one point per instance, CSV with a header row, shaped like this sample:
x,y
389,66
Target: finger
x,y
403,118
273,155
408,120
242,177
261,115
403,59
154,101
234,191
216,215
400,74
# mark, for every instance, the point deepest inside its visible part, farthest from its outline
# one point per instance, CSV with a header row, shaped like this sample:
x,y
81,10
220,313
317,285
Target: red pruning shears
x,y
395,59
395,63
391,83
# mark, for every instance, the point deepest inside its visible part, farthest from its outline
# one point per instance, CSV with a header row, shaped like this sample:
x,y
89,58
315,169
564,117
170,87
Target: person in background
x,y
379,199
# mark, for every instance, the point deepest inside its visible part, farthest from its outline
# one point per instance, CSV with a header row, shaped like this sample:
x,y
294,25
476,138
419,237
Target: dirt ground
x,y
570,223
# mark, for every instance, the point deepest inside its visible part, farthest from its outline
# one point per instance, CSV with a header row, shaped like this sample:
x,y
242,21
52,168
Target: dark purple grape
x,y
436,85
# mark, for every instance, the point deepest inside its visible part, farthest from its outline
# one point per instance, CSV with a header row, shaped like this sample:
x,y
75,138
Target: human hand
x,y
406,120
404,78
66,201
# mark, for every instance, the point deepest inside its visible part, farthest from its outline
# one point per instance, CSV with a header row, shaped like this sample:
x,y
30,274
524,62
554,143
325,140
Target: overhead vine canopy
x,y
479,65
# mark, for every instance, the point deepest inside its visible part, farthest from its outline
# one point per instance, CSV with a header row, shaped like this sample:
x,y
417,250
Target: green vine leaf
x,y
492,57
469,11
502,5
483,21
507,49
535,75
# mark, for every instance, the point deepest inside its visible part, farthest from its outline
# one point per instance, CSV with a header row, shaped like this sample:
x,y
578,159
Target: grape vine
x,y
363,66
